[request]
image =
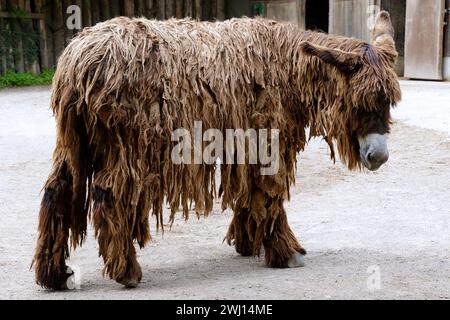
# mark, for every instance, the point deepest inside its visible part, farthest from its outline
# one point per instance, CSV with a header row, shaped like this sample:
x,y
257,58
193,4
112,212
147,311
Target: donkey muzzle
x,y
373,150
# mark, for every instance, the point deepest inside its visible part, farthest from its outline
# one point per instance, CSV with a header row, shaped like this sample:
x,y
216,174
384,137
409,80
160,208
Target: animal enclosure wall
x,y
33,33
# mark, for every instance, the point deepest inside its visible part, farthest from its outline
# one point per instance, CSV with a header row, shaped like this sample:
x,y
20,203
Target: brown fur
x,y
122,86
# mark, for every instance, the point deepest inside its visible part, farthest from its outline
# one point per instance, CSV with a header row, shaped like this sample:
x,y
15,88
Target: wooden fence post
x,y
150,8
32,66
105,12
115,8
43,44
221,8
198,9
58,23
86,13
139,11
129,8
179,9
3,63
170,9
95,11
161,13
46,9
188,5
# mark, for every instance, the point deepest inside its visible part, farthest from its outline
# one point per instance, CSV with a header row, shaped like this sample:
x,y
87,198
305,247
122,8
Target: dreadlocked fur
x,y
123,86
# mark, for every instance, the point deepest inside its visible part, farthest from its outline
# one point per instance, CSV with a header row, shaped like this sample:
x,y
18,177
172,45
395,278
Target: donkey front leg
x,y
239,232
113,230
280,244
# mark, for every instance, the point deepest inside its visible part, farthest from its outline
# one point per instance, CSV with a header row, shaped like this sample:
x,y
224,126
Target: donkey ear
x,y
383,32
347,62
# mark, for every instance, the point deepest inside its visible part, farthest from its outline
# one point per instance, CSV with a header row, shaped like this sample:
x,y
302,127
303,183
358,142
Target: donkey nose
x,y
377,158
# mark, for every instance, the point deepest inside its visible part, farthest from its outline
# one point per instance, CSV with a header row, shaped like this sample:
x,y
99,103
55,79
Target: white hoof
x,y
70,283
296,261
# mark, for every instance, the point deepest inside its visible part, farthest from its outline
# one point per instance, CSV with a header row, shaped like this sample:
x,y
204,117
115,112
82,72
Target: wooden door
x,y
353,18
424,39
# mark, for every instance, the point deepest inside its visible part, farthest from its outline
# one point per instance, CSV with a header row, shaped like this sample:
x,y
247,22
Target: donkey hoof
x,y
69,283
129,283
296,261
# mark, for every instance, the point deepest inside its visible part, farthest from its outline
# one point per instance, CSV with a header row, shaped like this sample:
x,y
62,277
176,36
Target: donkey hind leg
x,y
52,248
115,240
238,232
281,247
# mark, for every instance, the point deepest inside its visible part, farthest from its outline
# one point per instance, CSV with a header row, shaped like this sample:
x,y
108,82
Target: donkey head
x,y
370,88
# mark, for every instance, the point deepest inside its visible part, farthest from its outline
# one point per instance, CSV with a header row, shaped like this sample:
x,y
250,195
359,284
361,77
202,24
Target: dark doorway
x,y
317,12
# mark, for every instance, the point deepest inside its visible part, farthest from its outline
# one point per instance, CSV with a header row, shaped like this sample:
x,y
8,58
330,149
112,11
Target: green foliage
x,y
18,39
12,79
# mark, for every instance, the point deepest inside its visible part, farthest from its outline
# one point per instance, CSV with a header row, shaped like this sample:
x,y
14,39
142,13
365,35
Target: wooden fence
x,y
33,33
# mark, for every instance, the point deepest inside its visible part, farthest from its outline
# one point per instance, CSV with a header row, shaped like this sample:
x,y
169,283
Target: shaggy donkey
x,y
123,86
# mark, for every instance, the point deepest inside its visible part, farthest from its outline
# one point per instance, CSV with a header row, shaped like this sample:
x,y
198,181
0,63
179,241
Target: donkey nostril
x,y
377,157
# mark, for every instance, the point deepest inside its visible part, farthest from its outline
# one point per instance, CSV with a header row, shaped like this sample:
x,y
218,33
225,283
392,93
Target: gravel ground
x,y
376,235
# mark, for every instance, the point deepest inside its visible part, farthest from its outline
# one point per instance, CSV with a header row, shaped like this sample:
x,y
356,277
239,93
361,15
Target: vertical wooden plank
x,y
213,10
58,23
302,14
206,10
86,13
179,9
150,9
95,9
188,6
161,9
19,62
139,10
105,12
3,63
170,9
221,10
350,17
198,9
129,8
49,27
115,8
43,45
32,65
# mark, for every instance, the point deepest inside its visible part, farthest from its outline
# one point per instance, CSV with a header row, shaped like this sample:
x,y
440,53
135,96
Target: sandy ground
x,y
369,235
